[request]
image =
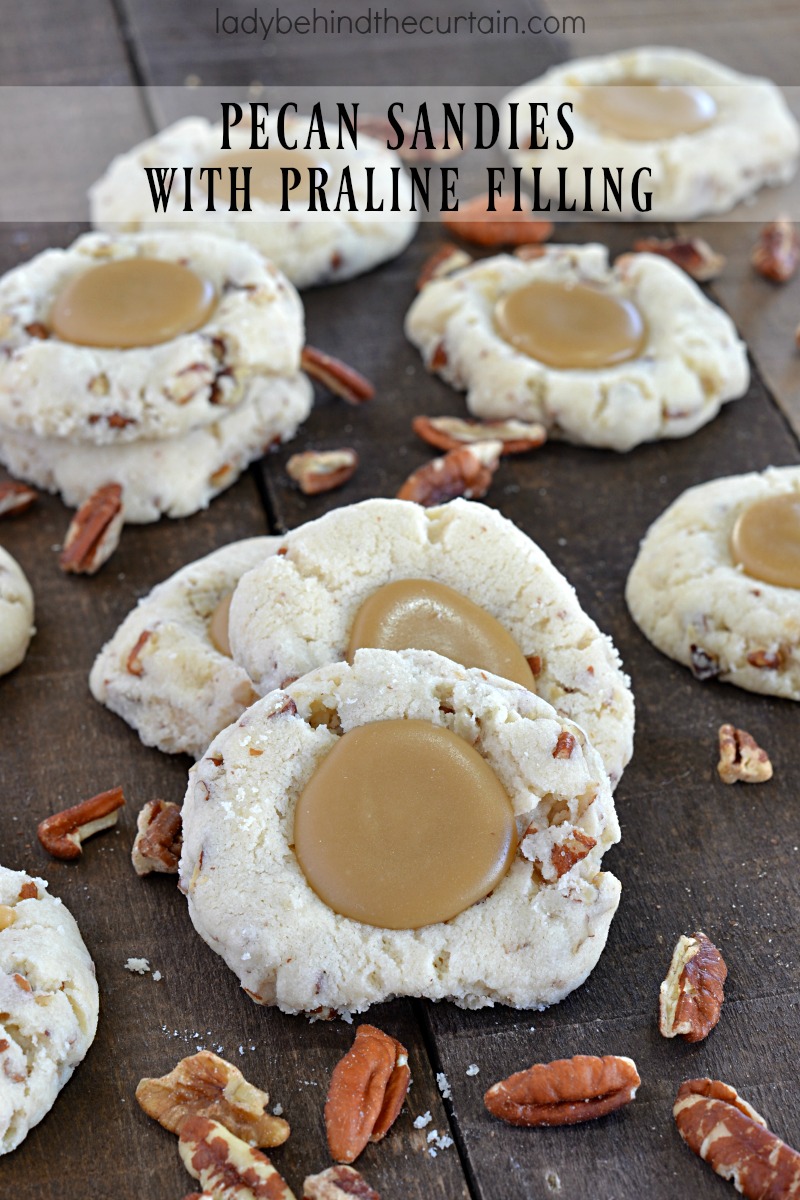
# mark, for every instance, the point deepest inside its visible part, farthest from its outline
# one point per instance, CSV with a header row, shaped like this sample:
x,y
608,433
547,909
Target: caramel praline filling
x,y
403,824
765,540
570,326
218,626
648,111
266,176
131,302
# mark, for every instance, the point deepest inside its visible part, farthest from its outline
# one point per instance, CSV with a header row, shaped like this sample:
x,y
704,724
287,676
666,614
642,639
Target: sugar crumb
x,y
137,966
421,1122
473,1069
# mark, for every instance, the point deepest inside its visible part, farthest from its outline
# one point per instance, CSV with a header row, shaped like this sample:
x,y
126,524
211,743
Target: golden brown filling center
x,y
403,824
570,326
131,302
266,181
766,540
647,111
417,614
218,625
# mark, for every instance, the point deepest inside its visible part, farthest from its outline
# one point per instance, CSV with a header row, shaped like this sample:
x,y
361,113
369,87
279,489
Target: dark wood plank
x,y
68,43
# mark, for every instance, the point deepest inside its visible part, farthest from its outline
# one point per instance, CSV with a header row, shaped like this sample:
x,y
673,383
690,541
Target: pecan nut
x,y
94,532
467,471
367,1090
505,226
336,376
691,996
692,255
734,1140
205,1085
316,471
443,262
159,838
776,254
62,833
741,757
338,1183
225,1165
564,1092
448,433
15,498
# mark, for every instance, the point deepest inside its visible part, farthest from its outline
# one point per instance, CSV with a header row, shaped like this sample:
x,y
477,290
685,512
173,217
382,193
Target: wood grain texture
x,y
695,853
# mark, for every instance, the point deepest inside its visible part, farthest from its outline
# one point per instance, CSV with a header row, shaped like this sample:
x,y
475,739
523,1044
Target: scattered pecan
x,y
692,255
734,1140
503,227
367,1090
94,533
157,846
133,663
226,1166
204,1085
448,433
467,472
767,660
704,665
564,1092
691,996
316,471
741,758
444,261
336,376
572,850
15,498
338,1183
776,254
565,744
62,833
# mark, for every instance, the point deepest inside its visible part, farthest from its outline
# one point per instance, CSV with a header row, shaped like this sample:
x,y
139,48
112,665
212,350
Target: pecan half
x,y
741,758
704,665
692,255
338,1183
467,472
444,261
776,254
15,498
94,532
564,1092
226,1166
734,1140
504,227
159,838
336,376
316,471
691,996
367,1090
204,1085
448,433
62,833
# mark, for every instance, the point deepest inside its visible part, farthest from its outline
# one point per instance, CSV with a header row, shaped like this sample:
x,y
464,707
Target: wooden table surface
x,y
694,854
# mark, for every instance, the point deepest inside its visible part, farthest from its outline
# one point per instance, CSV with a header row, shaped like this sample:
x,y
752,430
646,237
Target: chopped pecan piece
x,y
338,1183
226,1166
535,664
448,433
704,665
316,471
741,758
205,1085
159,837
467,472
505,226
366,1092
565,744
564,1092
336,376
28,891
776,254
94,533
62,833
692,255
15,498
734,1140
444,261
691,996
37,329
767,660
572,850
133,663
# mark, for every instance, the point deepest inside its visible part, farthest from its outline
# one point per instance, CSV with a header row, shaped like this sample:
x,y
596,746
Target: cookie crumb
x,y
138,966
473,1069
421,1122
277,1110
443,1085
157,976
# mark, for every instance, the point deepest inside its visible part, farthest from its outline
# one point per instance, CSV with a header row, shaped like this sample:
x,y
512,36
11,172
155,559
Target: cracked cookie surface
x,y
691,363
